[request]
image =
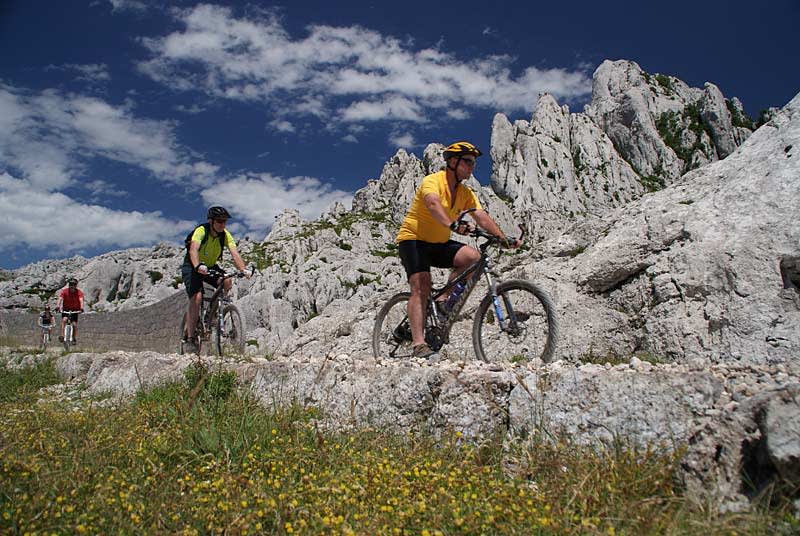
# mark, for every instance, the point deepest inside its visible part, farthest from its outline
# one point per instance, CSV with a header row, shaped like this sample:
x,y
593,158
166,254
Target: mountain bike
x,y
69,330
219,319
515,321
44,339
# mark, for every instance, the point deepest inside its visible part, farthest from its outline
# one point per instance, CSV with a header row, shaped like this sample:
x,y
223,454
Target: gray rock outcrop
x,y
739,425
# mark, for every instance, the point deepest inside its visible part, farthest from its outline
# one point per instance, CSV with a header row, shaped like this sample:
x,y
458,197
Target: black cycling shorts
x,y
72,316
418,256
193,281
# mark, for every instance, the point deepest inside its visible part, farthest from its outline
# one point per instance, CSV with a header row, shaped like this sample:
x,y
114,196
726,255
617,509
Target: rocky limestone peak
x,y
394,189
702,267
550,119
558,168
286,223
661,126
335,210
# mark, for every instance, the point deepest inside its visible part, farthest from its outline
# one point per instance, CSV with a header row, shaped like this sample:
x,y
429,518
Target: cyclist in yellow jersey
x,y
424,236
204,252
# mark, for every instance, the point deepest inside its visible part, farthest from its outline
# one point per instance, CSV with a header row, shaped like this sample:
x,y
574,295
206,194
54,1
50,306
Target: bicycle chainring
x,y
434,337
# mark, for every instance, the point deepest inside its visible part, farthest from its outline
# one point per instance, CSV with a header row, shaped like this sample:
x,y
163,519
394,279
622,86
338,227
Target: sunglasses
x,y
469,161
218,220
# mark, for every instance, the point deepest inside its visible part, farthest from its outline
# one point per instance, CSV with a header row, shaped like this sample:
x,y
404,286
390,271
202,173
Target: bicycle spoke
x,y
523,327
232,335
391,336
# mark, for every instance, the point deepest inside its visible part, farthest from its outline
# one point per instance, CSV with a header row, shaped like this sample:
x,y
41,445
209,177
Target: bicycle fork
x,y
507,322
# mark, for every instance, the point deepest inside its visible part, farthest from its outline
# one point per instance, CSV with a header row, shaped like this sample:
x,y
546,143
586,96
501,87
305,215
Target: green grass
x,y
202,457
22,385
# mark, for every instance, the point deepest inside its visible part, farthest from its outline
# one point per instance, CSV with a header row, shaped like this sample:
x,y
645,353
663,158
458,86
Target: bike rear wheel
x,y
391,336
45,340
531,325
230,335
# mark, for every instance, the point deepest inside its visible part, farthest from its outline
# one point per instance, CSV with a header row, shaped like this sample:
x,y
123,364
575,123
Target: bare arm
x,y
434,205
194,253
488,224
237,259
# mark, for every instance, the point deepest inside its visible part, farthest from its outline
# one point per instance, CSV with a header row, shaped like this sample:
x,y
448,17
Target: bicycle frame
x,y
44,338
469,277
214,301
68,333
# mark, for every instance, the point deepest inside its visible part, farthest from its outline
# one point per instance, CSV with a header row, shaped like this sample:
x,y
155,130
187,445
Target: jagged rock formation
x,y
558,168
661,126
119,280
639,133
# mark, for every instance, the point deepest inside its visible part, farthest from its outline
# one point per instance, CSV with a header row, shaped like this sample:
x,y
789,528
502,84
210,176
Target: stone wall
x,y
155,327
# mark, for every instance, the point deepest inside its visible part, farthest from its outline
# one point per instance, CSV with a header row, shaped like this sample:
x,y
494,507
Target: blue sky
x,y
122,120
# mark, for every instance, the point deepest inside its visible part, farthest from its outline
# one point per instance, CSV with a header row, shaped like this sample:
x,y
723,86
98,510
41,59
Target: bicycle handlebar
x,y
477,232
217,272
71,312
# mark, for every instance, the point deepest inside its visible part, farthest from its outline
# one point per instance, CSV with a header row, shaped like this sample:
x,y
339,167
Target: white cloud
x,y
457,113
352,73
281,125
350,138
37,220
191,110
258,198
128,5
99,187
50,137
405,141
88,72
389,108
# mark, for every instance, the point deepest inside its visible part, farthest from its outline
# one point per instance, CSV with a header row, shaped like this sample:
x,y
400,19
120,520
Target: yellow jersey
x,y
420,224
210,252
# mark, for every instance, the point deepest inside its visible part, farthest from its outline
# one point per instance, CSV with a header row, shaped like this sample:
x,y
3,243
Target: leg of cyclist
x,y
464,258
417,258
228,284
75,328
193,282
420,290
192,313
63,325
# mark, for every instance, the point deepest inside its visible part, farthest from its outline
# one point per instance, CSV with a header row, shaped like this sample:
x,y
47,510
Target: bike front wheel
x,y
230,334
529,327
67,336
391,336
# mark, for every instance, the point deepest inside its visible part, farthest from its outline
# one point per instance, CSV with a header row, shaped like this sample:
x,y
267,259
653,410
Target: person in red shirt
x,y
70,298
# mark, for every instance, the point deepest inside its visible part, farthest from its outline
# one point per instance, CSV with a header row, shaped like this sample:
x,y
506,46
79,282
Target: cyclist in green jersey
x,y
204,252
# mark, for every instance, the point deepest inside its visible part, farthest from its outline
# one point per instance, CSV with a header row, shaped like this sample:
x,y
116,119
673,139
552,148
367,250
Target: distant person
x,y
424,237
70,298
46,319
204,247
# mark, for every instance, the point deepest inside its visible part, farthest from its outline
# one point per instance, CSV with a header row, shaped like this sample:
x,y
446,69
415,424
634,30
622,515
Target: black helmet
x,y
218,213
46,306
460,148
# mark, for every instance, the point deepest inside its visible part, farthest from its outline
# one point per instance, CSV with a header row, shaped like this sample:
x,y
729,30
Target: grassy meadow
x,y
203,457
